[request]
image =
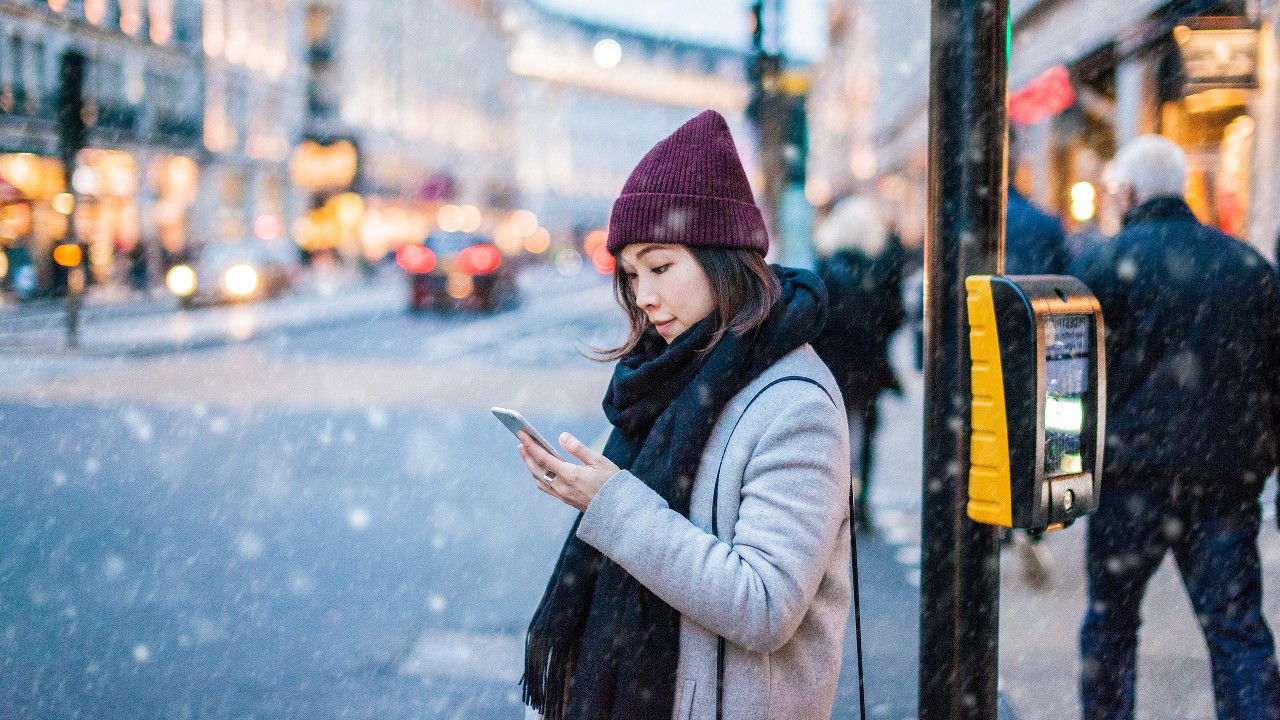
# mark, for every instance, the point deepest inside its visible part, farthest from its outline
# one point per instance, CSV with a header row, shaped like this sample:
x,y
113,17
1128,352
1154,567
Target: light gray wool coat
x,y
776,582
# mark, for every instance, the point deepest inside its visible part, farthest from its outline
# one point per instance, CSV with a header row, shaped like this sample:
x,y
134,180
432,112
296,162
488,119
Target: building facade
x,y
340,129
131,189
408,110
1085,76
593,98
255,78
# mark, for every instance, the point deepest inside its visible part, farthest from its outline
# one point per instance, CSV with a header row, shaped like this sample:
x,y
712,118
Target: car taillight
x,y
479,259
416,259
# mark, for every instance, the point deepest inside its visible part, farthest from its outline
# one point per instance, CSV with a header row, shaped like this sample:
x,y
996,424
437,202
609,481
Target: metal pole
x,y
960,572
767,109
71,137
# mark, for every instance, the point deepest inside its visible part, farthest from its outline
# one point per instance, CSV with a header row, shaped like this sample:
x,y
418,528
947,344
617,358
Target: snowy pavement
x,y
1039,662
314,524
326,522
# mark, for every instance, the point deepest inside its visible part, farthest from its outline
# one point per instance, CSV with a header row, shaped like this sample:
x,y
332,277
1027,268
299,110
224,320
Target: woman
x,y
861,266
719,508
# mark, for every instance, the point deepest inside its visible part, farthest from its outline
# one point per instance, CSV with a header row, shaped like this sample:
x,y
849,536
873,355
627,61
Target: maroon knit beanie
x,y
690,189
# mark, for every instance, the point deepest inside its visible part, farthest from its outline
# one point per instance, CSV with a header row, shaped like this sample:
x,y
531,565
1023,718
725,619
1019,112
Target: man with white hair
x,y
1193,421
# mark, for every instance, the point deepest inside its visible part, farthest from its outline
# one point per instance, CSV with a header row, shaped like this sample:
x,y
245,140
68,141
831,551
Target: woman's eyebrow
x,y
648,250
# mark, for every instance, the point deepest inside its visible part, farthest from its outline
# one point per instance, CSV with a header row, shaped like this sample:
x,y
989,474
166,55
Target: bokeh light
x,y
181,280
607,53
240,280
416,259
68,255
63,203
459,286
524,223
538,242
268,227
569,262
450,218
470,218
1083,201
603,261
479,259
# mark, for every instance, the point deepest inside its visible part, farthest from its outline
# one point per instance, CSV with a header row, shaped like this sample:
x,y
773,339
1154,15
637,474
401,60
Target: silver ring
x,y
548,477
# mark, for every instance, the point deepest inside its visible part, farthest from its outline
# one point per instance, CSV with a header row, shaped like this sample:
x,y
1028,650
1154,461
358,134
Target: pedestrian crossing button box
x,y
1039,400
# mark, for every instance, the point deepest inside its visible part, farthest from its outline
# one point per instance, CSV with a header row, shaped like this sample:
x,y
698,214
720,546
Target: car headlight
x,y
240,280
181,280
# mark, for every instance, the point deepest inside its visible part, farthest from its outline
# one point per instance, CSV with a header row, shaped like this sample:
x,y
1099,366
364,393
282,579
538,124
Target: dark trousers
x,y
863,421
1217,555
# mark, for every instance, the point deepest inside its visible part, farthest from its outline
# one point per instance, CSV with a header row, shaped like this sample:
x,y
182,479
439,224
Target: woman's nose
x,y
645,296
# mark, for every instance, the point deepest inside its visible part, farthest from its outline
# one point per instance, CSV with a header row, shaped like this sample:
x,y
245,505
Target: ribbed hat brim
x,y
686,220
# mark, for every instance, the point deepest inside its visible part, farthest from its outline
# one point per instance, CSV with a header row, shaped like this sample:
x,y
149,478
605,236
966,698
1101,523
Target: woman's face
x,y
669,285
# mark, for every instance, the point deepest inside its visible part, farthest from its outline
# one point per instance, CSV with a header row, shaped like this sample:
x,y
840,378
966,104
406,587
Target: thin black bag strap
x,y
715,528
857,608
715,504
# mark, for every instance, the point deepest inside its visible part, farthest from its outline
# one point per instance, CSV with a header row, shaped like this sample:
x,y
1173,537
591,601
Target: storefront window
x,y
1213,127
161,21
268,224
130,16
29,220
95,11
16,75
106,207
231,207
174,179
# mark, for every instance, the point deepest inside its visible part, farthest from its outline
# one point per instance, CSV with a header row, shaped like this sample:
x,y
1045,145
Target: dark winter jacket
x,y
1034,243
1193,356
865,308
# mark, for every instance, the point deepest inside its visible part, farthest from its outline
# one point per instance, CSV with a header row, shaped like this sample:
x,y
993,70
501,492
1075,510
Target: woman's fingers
x,y
589,457
539,460
578,449
535,469
535,450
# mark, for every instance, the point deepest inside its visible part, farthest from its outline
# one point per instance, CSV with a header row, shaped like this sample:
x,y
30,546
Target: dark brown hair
x,y
742,283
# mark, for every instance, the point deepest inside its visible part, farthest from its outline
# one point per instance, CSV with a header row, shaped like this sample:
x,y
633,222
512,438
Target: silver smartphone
x,y
515,422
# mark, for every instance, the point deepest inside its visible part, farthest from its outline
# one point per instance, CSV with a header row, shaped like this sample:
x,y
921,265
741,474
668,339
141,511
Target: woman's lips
x,y
660,326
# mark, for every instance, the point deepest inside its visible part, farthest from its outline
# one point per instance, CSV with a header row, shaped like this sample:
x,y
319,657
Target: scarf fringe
x,y
551,680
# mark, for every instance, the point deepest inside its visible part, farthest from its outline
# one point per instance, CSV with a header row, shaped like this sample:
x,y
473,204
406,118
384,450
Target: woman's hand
x,y
571,484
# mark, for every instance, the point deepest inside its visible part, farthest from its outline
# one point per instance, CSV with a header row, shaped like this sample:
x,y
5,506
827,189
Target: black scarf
x,y
602,646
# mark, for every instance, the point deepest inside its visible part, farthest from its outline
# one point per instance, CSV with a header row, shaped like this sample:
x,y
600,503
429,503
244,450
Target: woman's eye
x,y
661,269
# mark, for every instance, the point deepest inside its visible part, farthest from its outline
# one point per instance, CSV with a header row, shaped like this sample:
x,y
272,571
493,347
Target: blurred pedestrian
x,y
1193,417
709,572
860,263
1085,240
1034,242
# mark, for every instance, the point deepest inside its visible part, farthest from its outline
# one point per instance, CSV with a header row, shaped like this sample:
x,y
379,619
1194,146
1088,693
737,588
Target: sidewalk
x,y
1039,662
150,326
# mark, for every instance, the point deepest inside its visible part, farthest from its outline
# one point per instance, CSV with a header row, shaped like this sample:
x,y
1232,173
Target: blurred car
x,y
460,271
233,273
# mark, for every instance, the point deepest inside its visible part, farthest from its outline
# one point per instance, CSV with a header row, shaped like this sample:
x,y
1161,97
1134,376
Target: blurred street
x,y
322,523
316,524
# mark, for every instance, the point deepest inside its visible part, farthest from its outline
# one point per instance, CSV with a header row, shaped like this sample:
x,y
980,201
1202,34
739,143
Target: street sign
x,y
1218,53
